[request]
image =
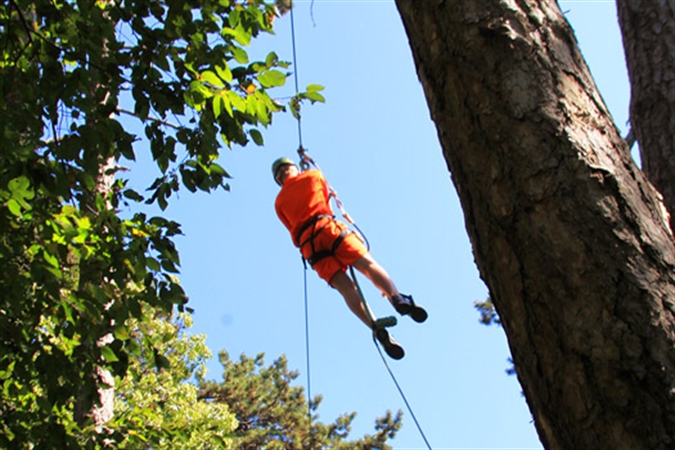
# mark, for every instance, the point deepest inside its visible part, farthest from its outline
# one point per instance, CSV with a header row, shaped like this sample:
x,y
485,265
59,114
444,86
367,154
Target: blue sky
x,y
377,146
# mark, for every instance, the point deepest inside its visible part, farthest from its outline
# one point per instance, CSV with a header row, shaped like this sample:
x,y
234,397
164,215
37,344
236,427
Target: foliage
x,y
160,408
488,313
273,414
74,269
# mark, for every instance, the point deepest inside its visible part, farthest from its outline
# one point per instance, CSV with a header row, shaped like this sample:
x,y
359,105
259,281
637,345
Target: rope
x,y
400,391
309,378
295,75
307,356
384,360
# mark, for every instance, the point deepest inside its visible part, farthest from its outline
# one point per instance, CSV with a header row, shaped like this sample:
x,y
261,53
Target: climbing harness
x,y
305,163
317,255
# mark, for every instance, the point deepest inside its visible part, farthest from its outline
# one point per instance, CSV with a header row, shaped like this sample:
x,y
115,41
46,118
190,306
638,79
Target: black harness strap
x,y
317,256
321,254
310,223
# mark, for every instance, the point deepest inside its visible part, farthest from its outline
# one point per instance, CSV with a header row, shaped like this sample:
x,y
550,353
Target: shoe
x,y
405,306
393,349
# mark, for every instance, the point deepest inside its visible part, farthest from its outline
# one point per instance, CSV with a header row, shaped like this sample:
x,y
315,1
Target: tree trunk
x,y
570,238
102,410
648,30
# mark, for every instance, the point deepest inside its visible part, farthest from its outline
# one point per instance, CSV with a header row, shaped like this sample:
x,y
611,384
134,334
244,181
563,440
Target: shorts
x,y
350,249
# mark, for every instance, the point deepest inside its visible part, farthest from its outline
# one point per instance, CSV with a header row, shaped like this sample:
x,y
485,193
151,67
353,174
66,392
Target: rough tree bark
x,y
569,236
103,408
648,30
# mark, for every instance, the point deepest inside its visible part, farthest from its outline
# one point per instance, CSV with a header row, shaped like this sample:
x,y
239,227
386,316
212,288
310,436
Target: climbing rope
x,y
309,378
385,323
400,391
307,354
305,162
295,76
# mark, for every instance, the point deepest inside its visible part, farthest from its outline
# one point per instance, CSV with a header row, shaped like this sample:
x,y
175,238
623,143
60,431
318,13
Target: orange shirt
x,y
301,198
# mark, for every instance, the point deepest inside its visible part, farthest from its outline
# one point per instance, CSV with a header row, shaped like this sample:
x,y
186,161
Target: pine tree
x,y
273,414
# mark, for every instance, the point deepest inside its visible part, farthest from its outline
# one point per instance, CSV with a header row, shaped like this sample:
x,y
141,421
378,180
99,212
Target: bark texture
x,y
567,233
648,30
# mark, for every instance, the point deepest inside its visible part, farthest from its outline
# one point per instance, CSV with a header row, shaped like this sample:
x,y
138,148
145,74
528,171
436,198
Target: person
x,y
303,206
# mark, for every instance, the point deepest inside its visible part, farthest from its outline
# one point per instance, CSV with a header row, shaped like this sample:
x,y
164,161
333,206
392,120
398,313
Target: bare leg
x,y
377,275
348,289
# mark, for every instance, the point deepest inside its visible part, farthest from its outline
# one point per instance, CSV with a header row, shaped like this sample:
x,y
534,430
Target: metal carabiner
x,y
305,160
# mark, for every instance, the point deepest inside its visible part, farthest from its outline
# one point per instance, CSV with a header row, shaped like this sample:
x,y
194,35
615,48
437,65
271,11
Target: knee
x,y
341,282
365,262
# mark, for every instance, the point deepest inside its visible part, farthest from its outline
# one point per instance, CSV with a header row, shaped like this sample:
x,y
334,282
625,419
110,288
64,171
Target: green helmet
x,y
278,164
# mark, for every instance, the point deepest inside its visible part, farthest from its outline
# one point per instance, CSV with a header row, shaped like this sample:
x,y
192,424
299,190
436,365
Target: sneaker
x,y
405,306
393,349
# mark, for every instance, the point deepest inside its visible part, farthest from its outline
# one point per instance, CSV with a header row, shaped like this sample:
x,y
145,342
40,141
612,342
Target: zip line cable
x,y
301,151
307,355
295,75
309,385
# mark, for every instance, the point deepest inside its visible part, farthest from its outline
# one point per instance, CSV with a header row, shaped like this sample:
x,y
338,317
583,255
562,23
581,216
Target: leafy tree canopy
x,y
73,268
161,408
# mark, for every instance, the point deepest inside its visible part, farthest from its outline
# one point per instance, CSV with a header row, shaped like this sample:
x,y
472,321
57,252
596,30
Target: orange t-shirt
x,y
301,198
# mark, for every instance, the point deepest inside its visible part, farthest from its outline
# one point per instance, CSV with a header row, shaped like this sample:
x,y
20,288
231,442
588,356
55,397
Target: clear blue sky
x,y
378,148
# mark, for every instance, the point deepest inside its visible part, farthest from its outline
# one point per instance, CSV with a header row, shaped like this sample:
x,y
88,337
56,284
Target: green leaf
x,y
162,362
256,136
224,73
240,55
133,195
211,78
234,18
50,259
121,333
55,271
133,347
217,169
18,185
169,266
314,88
239,34
262,112
14,207
217,104
271,59
225,99
108,354
237,101
272,78
152,264
315,97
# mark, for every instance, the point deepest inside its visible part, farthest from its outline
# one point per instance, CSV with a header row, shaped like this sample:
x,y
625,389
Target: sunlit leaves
x,y
19,194
239,34
161,408
312,93
78,261
212,79
271,78
224,73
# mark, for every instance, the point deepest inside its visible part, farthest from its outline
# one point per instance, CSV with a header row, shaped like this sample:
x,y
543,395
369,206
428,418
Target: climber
x,y
303,206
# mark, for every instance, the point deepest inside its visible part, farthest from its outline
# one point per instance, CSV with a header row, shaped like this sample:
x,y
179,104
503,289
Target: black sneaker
x,y
405,306
393,349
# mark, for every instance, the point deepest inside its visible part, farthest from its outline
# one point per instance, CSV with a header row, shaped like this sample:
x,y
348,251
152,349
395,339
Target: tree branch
x,y
153,119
